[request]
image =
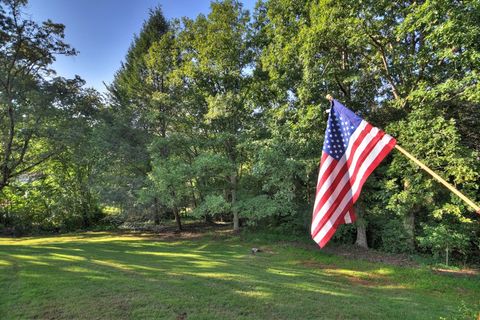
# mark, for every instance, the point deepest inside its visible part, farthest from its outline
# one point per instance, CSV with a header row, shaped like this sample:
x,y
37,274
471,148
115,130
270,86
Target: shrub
x,y
442,239
394,238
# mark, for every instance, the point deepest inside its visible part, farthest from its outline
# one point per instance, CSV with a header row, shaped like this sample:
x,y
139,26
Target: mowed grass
x,y
112,276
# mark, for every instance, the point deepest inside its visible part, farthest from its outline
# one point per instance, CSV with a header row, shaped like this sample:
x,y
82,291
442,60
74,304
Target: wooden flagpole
x,y
433,174
439,179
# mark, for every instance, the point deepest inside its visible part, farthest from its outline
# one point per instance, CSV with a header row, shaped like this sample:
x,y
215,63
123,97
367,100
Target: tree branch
x,y
388,75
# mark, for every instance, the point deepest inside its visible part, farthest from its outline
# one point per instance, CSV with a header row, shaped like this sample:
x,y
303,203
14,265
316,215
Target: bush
x,y
212,206
394,238
441,239
346,233
113,219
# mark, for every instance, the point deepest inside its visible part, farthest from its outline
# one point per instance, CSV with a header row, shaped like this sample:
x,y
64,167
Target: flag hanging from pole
x,y
352,149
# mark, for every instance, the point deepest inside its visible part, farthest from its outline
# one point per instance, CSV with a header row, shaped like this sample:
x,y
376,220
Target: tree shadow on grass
x,y
134,278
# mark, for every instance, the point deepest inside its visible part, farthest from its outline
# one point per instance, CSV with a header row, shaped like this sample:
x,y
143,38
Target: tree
x,y
27,49
377,57
132,121
59,194
290,120
170,176
218,57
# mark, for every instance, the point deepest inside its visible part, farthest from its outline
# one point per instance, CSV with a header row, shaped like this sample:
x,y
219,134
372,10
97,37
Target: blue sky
x,y
102,30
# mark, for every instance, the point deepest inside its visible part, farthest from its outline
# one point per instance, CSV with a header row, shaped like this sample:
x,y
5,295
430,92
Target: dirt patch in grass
x,y
190,231
372,280
50,312
458,273
316,265
267,250
362,282
355,253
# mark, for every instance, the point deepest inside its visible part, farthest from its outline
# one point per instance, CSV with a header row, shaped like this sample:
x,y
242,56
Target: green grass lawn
x,y
112,276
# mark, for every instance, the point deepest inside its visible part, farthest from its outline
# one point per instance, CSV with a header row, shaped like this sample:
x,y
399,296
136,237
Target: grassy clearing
x,y
110,276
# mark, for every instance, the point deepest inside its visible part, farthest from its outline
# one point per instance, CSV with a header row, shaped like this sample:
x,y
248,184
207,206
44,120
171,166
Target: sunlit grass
x,y
113,276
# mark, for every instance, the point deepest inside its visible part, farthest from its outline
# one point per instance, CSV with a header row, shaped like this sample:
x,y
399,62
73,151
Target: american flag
x,y
352,149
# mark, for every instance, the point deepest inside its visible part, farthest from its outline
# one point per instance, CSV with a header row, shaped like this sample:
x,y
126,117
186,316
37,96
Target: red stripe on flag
x,y
330,233
328,171
385,151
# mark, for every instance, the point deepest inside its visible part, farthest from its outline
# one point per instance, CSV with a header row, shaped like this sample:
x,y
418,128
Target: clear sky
x,y
102,30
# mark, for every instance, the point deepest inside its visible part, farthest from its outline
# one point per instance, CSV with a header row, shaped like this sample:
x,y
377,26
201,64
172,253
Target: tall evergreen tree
x,y
132,126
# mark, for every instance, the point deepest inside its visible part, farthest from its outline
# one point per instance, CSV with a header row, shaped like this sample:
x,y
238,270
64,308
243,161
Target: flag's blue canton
x,y
341,124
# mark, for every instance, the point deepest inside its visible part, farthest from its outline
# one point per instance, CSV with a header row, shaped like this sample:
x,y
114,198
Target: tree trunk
x,y
409,224
8,144
6,220
86,220
409,220
233,181
156,213
361,228
177,219
208,219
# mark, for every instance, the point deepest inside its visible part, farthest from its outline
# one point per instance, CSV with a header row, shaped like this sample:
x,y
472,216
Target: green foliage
x,y
31,103
442,238
345,234
136,113
437,142
212,206
170,178
394,238
259,207
222,117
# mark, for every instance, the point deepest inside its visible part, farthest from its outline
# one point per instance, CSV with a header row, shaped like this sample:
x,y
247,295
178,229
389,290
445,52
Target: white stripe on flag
x,y
347,218
324,167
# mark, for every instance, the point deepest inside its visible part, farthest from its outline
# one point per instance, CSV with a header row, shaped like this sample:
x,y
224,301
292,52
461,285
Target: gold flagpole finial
x,y
329,97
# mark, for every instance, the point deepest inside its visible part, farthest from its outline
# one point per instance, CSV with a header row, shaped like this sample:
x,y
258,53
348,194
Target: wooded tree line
x,y
222,118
